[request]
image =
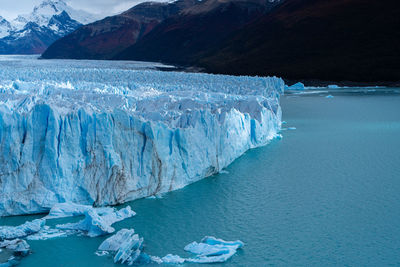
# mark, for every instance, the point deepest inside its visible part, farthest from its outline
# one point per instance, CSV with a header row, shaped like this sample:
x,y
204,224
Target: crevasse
x,y
93,134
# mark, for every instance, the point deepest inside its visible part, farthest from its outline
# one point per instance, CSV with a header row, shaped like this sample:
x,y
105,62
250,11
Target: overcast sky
x,y
11,8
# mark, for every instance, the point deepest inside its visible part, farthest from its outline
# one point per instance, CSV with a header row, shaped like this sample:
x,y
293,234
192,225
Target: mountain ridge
x,y
105,38
342,40
88,43
32,33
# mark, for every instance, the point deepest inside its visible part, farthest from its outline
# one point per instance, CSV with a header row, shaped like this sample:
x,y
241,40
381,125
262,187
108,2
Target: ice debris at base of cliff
x,y
23,230
18,248
97,225
97,222
49,233
94,134
127,247
62,210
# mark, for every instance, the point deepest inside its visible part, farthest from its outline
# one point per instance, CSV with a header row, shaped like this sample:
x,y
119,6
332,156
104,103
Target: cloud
x,y
10,10
106,7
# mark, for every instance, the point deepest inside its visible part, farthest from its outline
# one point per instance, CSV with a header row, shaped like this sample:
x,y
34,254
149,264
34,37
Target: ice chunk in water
x,y
23,230
127,247
172,259
62,210
296,86
97,225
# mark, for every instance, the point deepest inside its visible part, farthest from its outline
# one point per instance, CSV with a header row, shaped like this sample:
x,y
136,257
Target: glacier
x,y
100,133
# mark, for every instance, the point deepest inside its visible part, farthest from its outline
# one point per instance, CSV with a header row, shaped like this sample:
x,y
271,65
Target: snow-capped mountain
x,y
5,27
33,33
43,13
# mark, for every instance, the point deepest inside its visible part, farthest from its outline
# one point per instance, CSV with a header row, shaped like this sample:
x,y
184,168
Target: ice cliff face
x,y
103,135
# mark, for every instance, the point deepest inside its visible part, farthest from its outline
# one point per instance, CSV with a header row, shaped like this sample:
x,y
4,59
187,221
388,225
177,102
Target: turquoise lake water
x,y
326,194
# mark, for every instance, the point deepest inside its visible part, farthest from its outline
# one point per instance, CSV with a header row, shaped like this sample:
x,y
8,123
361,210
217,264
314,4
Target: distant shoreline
x,y
306,82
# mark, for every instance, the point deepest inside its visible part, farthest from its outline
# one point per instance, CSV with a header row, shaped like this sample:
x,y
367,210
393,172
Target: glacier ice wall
x,y
102,134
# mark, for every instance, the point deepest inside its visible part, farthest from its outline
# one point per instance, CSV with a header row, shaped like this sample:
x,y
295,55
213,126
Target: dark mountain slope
x,y
355,40
352,40
105,38
187,37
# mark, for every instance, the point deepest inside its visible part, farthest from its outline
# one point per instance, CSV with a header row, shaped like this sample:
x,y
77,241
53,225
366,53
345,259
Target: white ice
x,y
209,250
172,259
62,210
213,250
126,247
49,233
19,247
23,230
16,245
296,86
95,224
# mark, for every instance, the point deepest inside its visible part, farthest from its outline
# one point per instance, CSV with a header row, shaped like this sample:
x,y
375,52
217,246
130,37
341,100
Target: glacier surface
x,y
99,133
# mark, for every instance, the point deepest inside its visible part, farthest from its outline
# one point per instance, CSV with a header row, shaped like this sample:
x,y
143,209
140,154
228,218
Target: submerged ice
x,y
98,135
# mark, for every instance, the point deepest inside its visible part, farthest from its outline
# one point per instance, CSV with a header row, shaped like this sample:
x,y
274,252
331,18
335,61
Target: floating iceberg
x,y
213,250
172,259
329,96
333,86
19,248
126,246
62,210
296,86
114,242
98,134
28,228
210,250
210,240
96,225
49,233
